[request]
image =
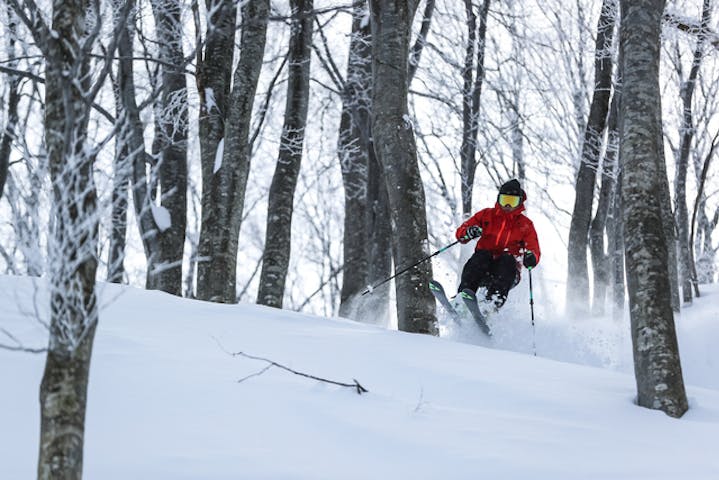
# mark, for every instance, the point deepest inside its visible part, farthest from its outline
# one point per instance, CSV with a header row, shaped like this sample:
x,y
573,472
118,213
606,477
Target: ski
x,y
470,300
438,291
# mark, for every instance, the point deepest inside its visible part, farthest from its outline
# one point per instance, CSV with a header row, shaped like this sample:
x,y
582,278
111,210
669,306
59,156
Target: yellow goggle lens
x,y
509,200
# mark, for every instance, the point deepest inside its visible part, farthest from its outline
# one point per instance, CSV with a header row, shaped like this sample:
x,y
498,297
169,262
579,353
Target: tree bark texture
x,y
73,247
224,193
367,230
471,96
120,203
656,355
395,147
214,76
353,148
278,237
686,263
577,270
164,270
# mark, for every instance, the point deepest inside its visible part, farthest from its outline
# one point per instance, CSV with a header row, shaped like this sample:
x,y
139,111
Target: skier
x,y
504,234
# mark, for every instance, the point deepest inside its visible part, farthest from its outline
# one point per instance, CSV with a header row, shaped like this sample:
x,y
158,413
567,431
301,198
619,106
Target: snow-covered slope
x,y
165,402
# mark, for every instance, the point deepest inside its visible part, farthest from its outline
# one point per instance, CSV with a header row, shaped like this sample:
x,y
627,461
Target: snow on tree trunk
x,y
577,271
396,149
214,76
170,148
353,149
223,196
656,356
278,236
367,231
73,240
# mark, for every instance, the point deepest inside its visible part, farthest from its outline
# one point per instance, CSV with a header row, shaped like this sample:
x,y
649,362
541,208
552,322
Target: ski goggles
x,y
509,200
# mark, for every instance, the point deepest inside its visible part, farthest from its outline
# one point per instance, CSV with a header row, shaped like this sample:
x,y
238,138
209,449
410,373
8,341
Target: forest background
x,y
518,75
293,154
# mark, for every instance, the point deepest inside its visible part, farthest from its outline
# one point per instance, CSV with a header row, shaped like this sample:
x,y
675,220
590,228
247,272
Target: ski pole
x,y
531,308
372,287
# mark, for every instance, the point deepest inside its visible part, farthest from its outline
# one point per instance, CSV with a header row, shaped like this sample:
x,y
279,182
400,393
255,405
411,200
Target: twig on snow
x,y
356,385
360,389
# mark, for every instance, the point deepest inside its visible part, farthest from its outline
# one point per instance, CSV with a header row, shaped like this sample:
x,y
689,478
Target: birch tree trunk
x,y
395,146
223,196
656,355
577,274
164,271
278,237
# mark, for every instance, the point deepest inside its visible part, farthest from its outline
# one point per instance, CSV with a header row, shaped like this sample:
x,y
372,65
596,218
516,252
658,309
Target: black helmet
x,y
512,187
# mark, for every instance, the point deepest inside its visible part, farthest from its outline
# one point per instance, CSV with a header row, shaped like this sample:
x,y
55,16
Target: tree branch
x,y
18,347
692,27
356,385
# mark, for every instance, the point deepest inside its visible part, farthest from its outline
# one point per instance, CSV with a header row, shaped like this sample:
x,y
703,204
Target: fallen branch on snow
x,y
356,385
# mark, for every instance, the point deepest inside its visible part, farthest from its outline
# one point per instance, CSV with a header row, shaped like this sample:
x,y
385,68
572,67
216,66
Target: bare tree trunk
x,y
615,226
686,264
616,249
367,230
577,274
278,237
131,158
702,242
395,146
379,227
224,195
353,148
416,52
656,355
600,261
214,77
120,203
74,238
128,117
164,271
471,95
8,134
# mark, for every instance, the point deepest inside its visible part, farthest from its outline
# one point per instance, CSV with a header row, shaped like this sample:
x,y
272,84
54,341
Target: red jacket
x,y
503,232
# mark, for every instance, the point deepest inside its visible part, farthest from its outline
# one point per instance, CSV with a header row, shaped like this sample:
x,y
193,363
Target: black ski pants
x,y
497,275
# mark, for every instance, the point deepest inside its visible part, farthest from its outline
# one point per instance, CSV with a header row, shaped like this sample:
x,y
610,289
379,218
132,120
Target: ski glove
x,y
473,232
530,261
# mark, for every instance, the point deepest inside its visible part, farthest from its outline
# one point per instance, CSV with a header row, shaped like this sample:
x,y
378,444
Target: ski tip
x,y
467,293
